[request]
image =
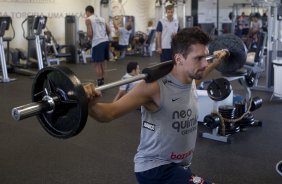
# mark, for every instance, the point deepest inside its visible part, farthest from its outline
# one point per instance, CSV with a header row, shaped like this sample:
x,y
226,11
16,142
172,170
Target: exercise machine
x,y
225,116
38,26
54,50
4,26
271,49
71,38
84,47
35,57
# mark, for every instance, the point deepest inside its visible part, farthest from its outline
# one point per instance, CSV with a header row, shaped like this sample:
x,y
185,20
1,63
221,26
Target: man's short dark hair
x,y
181,42
89,9
131,66
169,7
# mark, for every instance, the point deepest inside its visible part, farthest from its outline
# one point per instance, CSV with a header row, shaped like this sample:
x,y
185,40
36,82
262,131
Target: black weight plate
x,y
236,48
71,110
219,89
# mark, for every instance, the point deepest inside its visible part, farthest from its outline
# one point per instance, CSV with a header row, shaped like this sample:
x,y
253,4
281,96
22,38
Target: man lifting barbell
x,y
169,112
167,96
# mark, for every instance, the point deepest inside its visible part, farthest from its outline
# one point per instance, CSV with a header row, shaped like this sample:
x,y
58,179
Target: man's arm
x,y
89,29
115,25
159,37
143,94
119,95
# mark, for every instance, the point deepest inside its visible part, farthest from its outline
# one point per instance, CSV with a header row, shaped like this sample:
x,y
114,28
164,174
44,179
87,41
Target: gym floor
x,y
103,153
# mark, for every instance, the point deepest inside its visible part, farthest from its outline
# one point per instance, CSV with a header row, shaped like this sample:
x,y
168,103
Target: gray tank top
x,y
169,134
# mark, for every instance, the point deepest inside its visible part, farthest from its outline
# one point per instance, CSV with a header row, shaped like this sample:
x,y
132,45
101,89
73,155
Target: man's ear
x,y
178,59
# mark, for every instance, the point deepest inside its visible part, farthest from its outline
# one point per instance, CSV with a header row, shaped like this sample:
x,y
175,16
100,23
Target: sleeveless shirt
x,y
169,134
99,30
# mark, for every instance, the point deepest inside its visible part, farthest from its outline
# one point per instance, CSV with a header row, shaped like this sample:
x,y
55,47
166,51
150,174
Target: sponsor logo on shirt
x,y
148,126
184,121
174,99
181,156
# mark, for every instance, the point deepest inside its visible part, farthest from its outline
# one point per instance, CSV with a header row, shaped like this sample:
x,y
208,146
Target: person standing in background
x,y
255,28
97,32
124,36
166,28
150,27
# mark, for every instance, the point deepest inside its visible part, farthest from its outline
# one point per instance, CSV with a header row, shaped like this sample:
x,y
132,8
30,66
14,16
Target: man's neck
x,y
176,72
169,19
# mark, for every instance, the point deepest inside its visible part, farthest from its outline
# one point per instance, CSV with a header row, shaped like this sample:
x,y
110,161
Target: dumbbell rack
x,y
215,135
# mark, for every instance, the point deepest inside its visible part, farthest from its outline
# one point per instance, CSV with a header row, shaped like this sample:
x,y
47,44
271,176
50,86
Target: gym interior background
x,y
103,153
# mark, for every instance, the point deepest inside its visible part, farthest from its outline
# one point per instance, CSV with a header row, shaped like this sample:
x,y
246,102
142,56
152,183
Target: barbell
x,y
60,103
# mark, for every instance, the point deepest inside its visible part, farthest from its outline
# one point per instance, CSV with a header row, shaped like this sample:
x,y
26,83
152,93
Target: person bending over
x,y
132,69
169,112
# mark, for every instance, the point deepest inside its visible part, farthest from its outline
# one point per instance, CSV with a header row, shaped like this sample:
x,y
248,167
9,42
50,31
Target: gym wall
x,y
56,10
142,10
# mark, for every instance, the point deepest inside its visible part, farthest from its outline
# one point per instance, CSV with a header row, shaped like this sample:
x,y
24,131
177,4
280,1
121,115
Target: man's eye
x,y
199,58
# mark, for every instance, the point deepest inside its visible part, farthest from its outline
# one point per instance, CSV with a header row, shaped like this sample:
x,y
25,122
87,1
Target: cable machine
x,y
274,42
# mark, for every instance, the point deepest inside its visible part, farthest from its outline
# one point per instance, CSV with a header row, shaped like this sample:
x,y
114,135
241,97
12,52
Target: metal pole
x,y
38,52
3,63
217,17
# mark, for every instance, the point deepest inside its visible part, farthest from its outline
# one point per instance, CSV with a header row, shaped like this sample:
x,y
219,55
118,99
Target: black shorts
x,y
100,52
122,47
166,55
170,173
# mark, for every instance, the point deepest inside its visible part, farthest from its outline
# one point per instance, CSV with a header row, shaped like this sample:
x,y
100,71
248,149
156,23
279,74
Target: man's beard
x,y
197,76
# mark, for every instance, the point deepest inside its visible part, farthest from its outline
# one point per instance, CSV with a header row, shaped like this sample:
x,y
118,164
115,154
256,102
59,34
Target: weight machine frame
x,y
4,26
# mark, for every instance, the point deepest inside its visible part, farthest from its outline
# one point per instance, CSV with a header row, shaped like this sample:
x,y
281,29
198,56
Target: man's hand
x,y
90,91
221,54
159,50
